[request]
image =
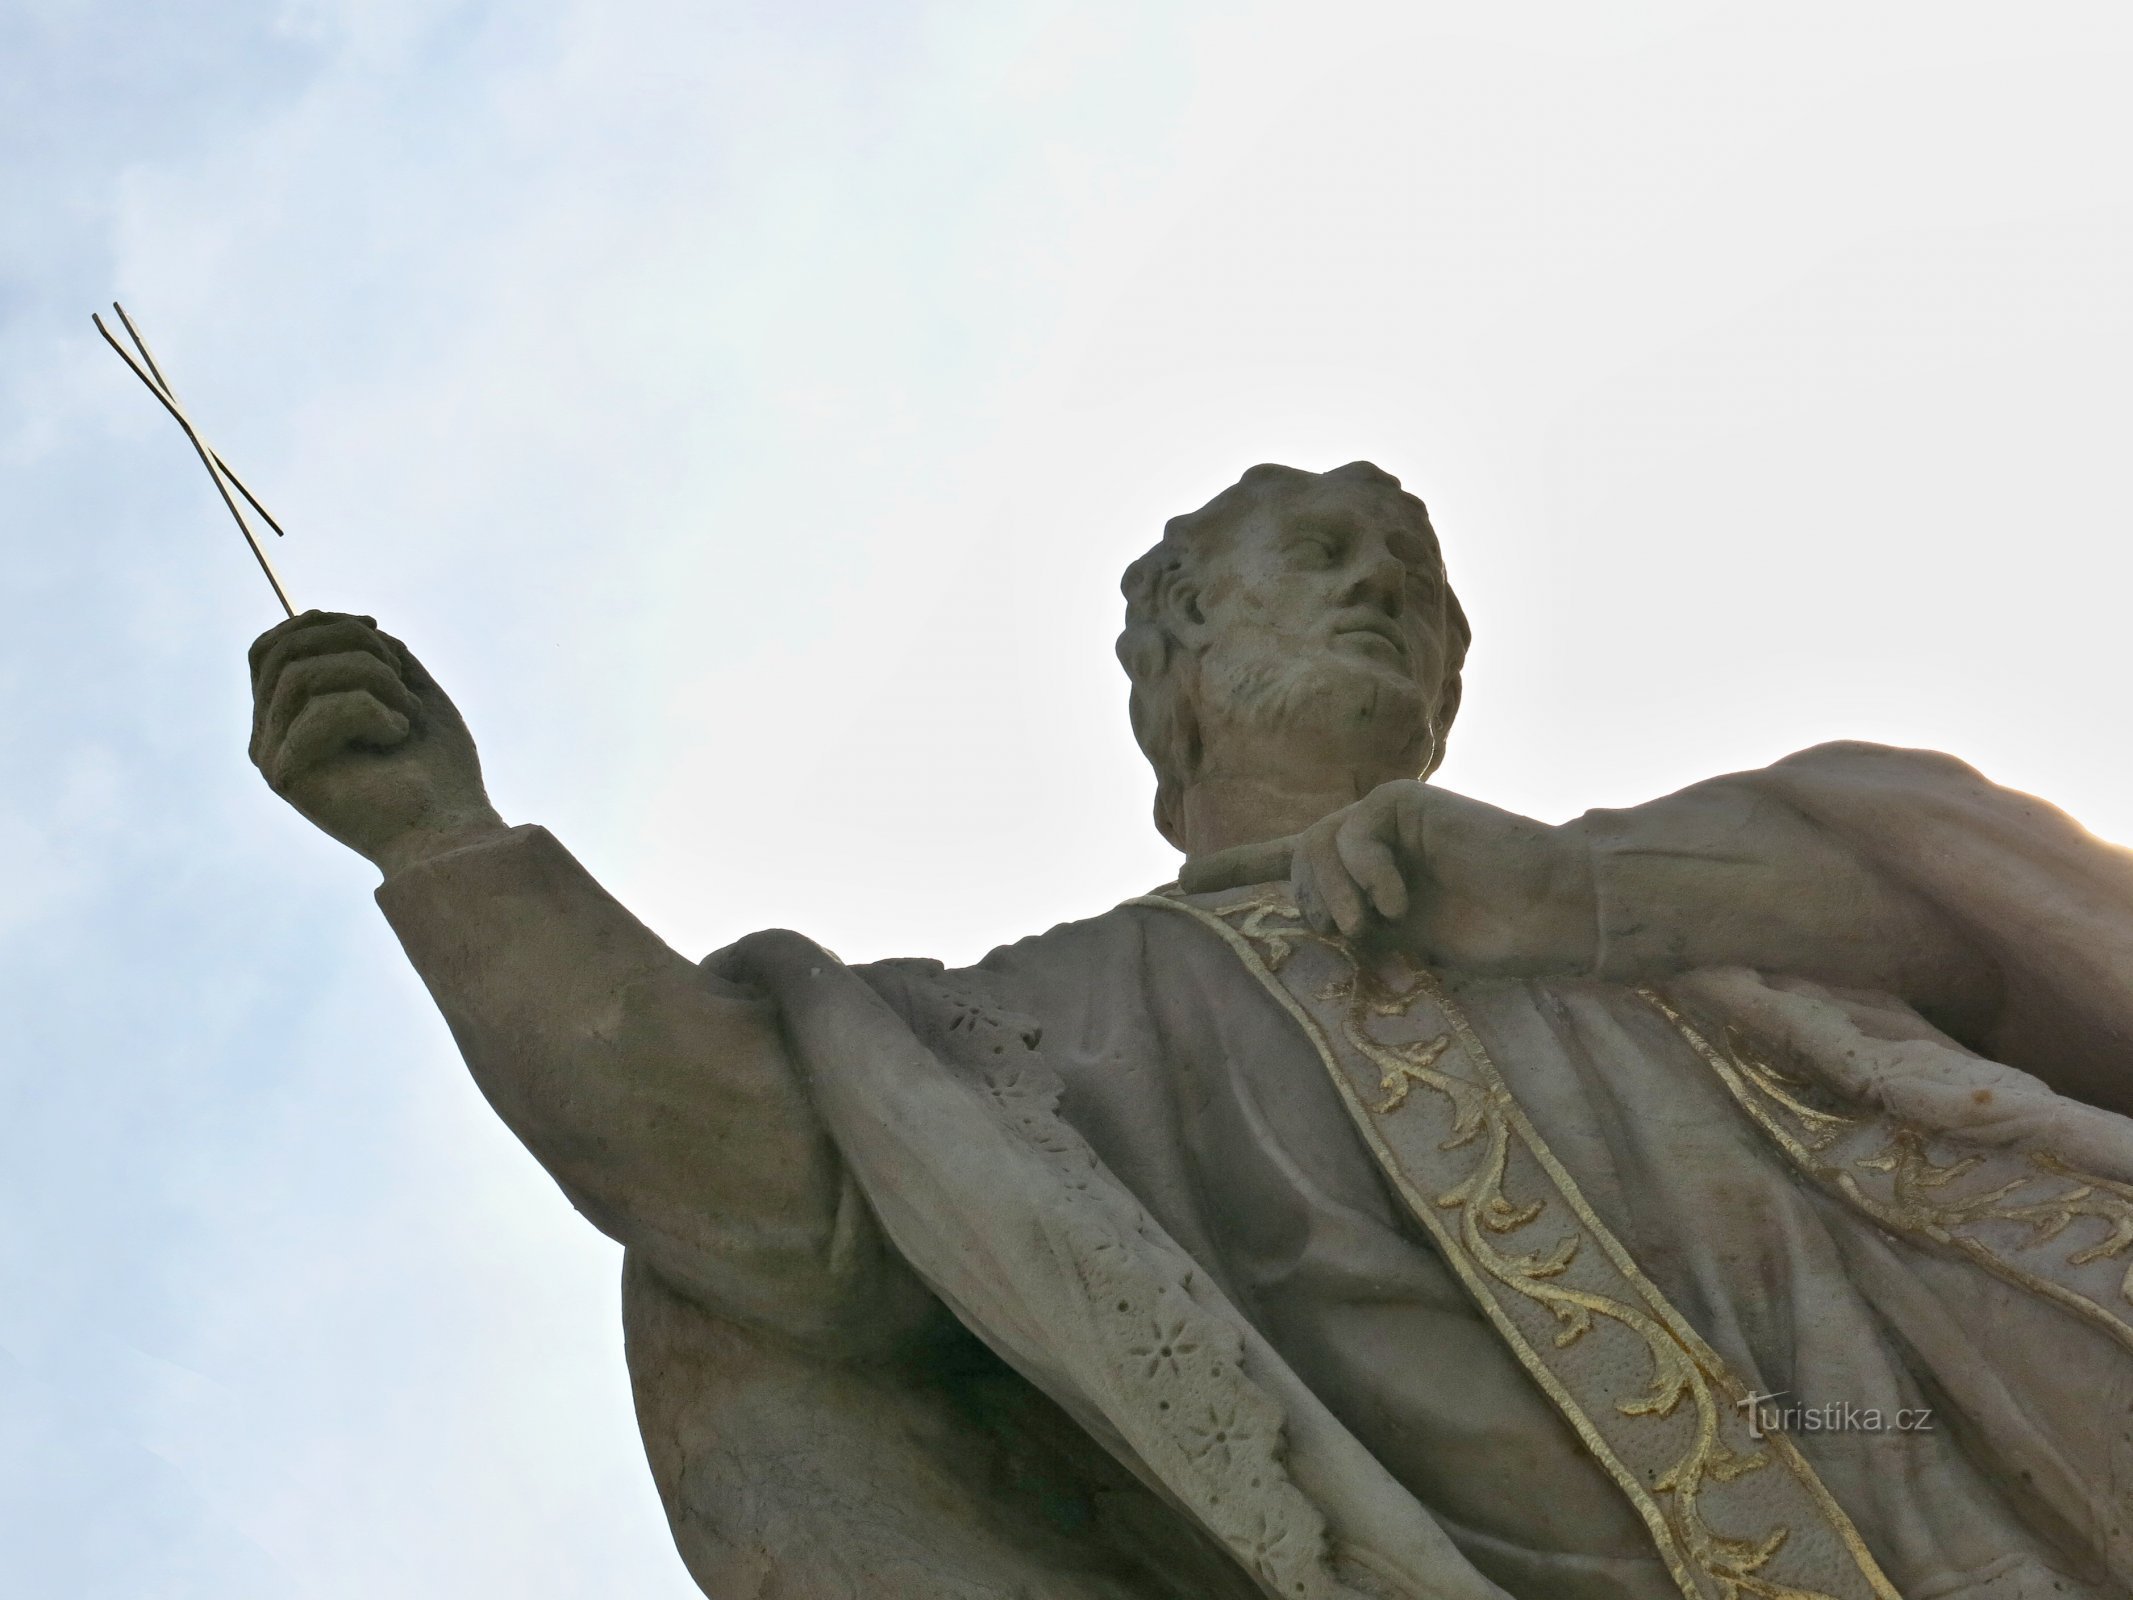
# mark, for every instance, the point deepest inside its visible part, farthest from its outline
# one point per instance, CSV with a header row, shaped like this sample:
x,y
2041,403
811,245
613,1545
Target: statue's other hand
x,y
348,728
1450,879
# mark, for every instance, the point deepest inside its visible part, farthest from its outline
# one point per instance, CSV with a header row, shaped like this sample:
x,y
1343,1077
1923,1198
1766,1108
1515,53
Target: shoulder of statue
x,y
1862,758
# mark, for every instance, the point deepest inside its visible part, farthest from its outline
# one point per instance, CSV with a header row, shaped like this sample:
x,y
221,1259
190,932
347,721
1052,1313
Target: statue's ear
x,y
1184,619
1178,604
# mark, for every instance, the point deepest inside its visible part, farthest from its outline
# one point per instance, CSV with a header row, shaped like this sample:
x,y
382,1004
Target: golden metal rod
x,y
224,479
161,389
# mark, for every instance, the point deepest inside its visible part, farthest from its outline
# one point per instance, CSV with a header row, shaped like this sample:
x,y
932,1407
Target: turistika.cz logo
x,y
1765,1416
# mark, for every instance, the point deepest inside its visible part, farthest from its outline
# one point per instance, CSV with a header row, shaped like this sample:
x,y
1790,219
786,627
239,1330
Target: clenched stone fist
x,y
348,728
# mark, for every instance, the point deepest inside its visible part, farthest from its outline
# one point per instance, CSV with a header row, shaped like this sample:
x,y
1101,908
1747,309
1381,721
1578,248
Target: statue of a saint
x,y
1730,1197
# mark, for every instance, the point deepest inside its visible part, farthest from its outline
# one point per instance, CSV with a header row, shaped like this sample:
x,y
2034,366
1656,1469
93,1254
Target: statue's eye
x,y
1317,551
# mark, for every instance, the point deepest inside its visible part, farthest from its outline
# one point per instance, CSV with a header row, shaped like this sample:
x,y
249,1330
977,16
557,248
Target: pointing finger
x,y
1264,862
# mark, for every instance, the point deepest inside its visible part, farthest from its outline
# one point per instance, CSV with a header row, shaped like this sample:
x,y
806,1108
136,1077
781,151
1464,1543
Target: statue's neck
x,y
1216,812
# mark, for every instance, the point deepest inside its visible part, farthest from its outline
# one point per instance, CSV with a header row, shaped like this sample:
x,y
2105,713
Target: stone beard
x,y
1418,1201
1292,699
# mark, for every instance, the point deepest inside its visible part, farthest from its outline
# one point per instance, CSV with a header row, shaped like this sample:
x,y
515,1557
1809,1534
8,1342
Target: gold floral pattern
x,y
1735,1518
2007,1210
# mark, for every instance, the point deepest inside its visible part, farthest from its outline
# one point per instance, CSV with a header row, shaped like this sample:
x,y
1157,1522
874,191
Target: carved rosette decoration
x,y
1736,1517
1178,1387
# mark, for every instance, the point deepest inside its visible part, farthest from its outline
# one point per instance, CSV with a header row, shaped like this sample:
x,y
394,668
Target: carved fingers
x,y
1353,868
321,684
1448,879
1266,861
1369,846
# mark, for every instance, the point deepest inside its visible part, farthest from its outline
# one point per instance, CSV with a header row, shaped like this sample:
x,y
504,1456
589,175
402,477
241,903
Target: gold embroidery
x,y
1883,1167
1406,1067
1400,1066
1479,1201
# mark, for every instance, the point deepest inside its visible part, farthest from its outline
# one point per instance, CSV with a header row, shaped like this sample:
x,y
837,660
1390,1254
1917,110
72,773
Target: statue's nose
x,y
1383,583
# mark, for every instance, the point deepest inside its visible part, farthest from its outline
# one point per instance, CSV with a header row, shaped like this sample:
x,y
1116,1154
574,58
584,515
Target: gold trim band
x,y
1965,1203
1474,1171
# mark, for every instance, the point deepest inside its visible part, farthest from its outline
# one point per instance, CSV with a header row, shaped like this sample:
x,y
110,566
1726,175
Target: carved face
x,y
1319,622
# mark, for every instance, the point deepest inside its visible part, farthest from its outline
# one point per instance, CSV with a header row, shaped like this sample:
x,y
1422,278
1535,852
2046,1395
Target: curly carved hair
x,y
1164,672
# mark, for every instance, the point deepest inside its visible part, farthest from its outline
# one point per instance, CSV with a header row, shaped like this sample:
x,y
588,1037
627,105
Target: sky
x,y
746,410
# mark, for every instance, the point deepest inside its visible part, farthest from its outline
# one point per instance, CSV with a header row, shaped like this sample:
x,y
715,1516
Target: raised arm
x,y
659,1096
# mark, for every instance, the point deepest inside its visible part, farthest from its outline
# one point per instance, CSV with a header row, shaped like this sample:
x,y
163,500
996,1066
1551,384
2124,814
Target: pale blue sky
x,y
746,410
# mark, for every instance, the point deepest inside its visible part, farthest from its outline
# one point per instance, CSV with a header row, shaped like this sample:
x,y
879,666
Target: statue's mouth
x,y
1375,632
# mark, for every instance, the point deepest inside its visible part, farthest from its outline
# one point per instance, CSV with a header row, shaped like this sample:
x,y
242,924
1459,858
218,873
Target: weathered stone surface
x,y
1406,1206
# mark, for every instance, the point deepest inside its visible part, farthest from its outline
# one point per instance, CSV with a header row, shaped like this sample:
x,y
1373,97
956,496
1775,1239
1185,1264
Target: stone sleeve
x,y
658,1095
1726,874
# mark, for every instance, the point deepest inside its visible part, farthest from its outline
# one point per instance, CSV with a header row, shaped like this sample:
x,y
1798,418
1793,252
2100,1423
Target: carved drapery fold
x,y
1735,1515
2027,1216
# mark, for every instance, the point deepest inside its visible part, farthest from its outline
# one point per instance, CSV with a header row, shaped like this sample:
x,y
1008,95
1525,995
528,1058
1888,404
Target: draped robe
x,y
1076,1273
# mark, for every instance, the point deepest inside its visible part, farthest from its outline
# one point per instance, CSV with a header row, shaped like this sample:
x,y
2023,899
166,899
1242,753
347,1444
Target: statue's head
x,y
1297,625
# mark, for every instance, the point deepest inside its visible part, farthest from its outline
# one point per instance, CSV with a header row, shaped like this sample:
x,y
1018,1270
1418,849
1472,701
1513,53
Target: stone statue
x,y
1731,1196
